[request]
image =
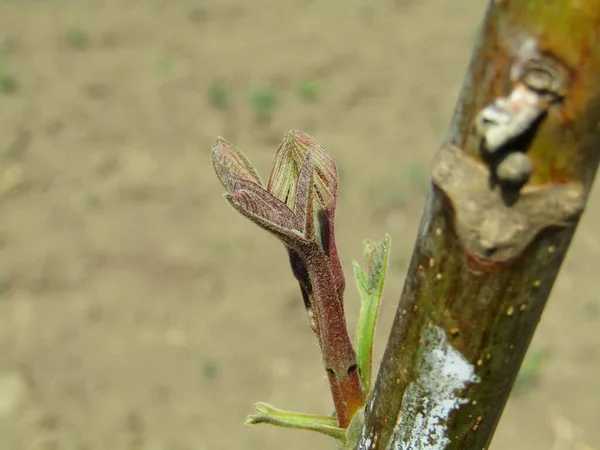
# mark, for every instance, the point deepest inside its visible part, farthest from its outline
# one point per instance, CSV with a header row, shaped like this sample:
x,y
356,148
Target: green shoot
x,y
370,287
218,96
321,424
77,38
418,178
308,91
264,102
164,65
302,183
530,371
210,369
8,82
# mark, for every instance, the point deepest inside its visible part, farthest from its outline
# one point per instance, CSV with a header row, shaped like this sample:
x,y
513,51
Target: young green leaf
x,y
370,287
287,419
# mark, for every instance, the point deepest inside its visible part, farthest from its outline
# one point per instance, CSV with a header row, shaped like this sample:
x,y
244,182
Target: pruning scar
x,y
507,126
489,228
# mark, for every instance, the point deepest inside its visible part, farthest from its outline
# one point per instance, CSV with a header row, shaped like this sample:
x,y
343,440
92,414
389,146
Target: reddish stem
x,y
339,358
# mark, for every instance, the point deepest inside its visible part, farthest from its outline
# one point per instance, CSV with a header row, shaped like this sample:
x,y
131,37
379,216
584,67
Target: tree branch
x,y
508,187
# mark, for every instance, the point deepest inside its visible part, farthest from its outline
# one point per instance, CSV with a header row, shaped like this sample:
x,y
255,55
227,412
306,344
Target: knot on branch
x,y
507,126
490,227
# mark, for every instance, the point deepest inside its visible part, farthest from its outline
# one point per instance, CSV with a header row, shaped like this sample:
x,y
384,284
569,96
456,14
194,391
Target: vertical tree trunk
x,y
508,187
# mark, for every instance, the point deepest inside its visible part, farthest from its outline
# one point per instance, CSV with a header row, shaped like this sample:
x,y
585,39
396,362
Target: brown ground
x,y
139,311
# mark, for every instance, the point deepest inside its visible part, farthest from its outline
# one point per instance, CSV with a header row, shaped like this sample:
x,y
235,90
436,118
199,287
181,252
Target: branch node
x,y
507,125
491,227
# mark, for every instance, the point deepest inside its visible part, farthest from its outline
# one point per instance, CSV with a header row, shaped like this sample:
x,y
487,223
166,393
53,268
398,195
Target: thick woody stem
x,y
509,186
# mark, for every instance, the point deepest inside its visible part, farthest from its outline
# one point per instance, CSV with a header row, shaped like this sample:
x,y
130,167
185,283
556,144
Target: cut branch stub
x,y
508,118
508,124
541,73
488,227
496,216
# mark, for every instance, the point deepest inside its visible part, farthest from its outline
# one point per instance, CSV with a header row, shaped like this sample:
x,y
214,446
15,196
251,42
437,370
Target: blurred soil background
x,y
138,310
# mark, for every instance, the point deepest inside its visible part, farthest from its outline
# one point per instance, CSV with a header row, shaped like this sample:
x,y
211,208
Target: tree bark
x,y
495,228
